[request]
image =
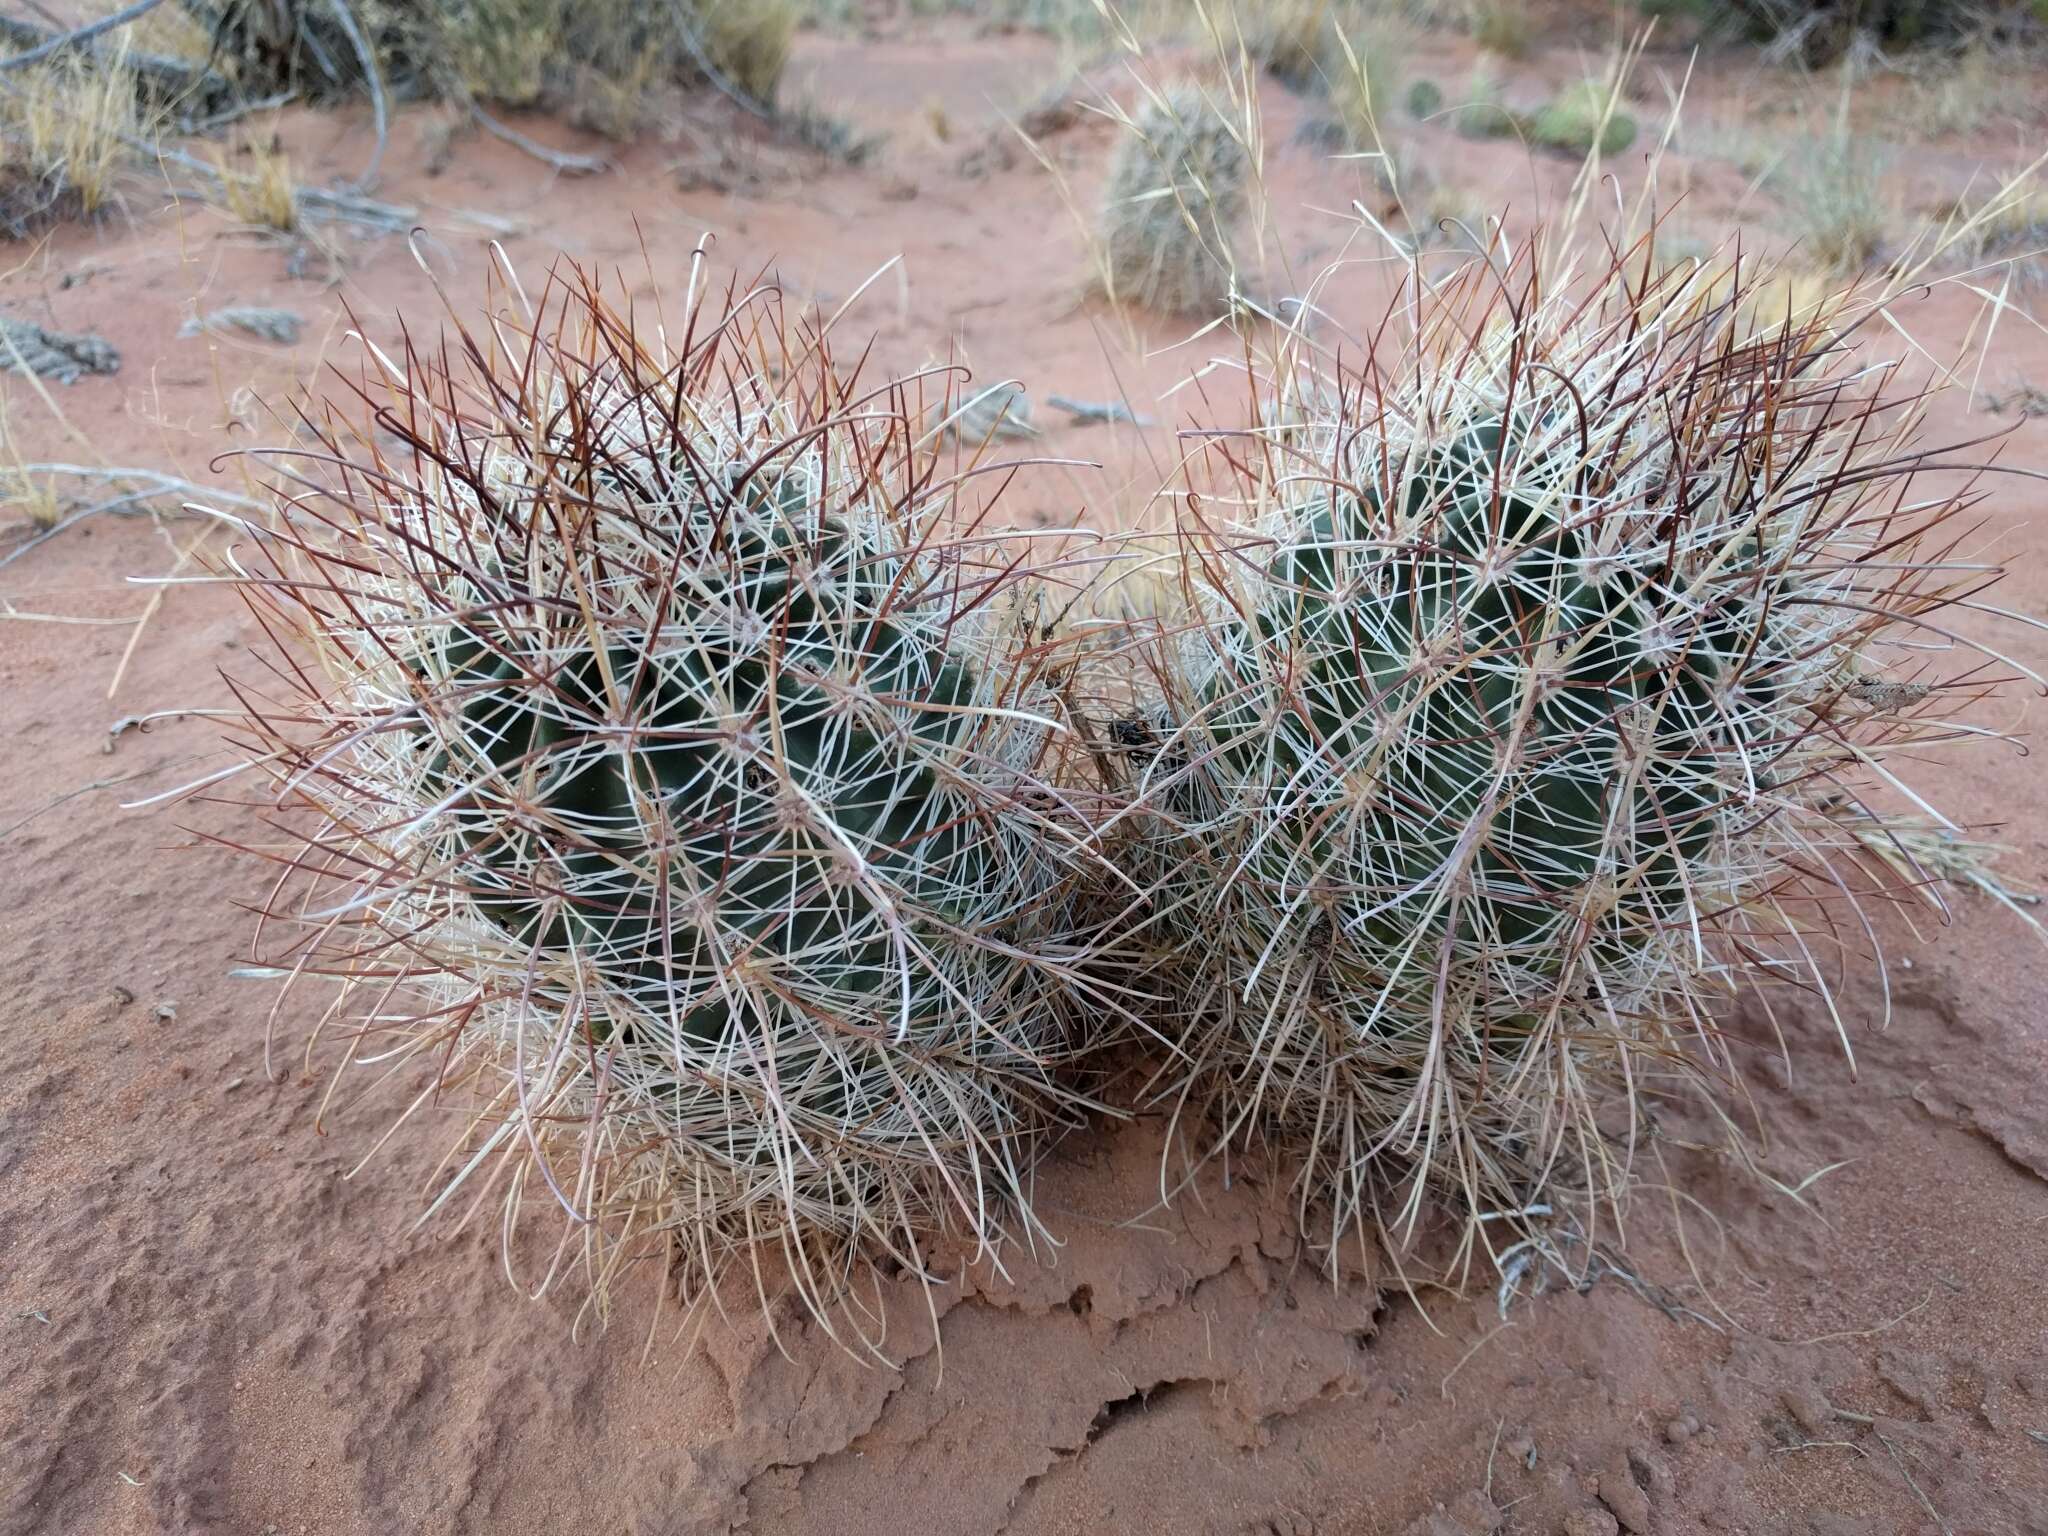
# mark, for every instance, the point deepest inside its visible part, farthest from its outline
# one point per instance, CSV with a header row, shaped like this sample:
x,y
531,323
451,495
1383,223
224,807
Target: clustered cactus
x,y
683,756
1536,672
701,789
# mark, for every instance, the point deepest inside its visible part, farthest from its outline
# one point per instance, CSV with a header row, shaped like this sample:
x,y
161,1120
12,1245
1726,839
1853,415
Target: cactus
x,y
1583,116
1176,192
688,760
1532,684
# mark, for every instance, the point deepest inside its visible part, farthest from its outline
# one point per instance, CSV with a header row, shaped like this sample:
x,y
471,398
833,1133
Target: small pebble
x,y
232,1084
1809,1409
1681,1429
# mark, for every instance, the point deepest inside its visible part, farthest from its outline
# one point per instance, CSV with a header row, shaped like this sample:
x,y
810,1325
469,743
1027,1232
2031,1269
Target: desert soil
x,y
216,1316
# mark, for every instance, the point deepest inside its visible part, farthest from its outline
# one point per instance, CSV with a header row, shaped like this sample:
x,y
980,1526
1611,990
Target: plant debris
x,y
279,325
26,346
1098,410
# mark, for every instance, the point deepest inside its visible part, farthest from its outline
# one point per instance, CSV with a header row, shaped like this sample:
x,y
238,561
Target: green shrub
x,y
1582,117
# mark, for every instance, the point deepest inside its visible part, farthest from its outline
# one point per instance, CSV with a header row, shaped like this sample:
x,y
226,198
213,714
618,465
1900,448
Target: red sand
x,y
207,1323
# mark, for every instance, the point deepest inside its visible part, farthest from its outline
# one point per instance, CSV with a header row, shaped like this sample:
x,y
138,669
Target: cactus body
x,y
690,749
1529,674
1175,195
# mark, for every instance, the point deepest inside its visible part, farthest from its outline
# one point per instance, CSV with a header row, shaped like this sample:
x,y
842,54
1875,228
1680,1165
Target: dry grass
x,y
604,62
265,194
1365,82
1505,28
1974,90
2010,231
1732,134
33,496
749,43
502,51
1835,200
618,106
1290,39
602,59
62,127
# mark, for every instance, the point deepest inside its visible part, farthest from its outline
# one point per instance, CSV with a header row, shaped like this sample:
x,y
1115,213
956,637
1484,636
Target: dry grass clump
x,y
507,52
35,496
1176,193
1290,39
514,53
1819,33
1365,83
1736,134
1975,88
2011,232
686,790
1535,669
63,124
749,44
262,190
1505,28
1833,192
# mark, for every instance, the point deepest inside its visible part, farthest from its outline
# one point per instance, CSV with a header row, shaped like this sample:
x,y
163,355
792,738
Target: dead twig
x,y
79,35
214,122
110,782
561,160
146,485
1822,1445
374,78
112,505
1904,1471
686,33
338,207
1098,410
159,484
174,78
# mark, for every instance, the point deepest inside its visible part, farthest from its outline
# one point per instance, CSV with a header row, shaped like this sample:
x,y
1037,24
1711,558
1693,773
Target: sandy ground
x,y
211,1320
